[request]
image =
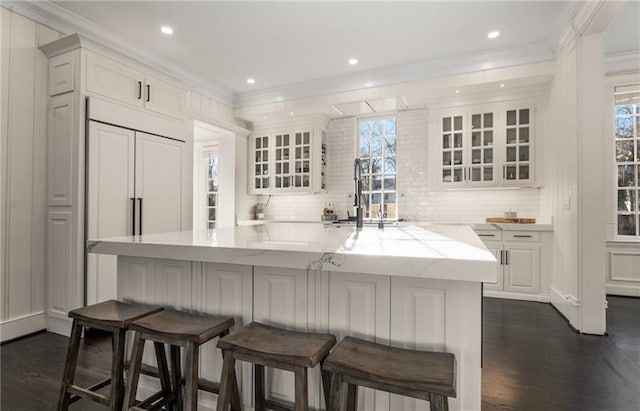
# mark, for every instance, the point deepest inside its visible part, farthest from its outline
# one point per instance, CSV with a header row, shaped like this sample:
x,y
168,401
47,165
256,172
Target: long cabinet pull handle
x,y
521,236
139,90
133,215
501,257
506,257
140,216
148,92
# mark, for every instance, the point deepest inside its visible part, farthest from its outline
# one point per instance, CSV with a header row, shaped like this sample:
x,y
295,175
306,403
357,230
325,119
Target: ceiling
x,y
293,49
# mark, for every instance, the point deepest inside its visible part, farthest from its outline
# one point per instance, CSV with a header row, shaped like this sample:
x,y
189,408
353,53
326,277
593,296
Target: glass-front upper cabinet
x,y
289,156
489,145
517,164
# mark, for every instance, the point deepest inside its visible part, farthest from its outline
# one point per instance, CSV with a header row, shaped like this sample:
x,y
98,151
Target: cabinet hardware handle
x,y
501,257
504,171
464,174
133,215
506,257
148,92
521,236
140,216
139,90
486,235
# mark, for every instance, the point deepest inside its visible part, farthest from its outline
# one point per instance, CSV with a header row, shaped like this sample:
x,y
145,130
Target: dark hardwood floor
x,y
532,361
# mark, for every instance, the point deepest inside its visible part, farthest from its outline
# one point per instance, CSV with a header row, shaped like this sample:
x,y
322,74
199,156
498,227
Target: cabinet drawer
x,y
489,235
521,236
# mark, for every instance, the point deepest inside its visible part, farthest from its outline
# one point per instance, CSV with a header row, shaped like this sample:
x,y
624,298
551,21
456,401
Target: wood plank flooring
x,y
532,361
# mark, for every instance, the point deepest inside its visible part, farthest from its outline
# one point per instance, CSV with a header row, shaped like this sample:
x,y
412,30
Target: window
x,y
377,150
627,141
211,163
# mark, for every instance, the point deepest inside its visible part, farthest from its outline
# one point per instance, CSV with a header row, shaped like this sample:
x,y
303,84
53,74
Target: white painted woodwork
x,y
110,210
520,261
23,174
61,74
496,249
522,267
59,264
159,182
225,289
164,98
106,77
280,299
60,146
119,161
623,275
359,306
431,315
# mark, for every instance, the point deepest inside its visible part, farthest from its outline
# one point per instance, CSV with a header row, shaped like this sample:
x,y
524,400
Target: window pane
x,y
626,200
365,129
376,147
488,174
511,154
488,120
488,138
389,146
364,148
627,224
391,127
457,157
624,110
476,156
457,140
476,139
389,183
364,166
524,134
377,128
446,158
389,165
511,118
524,116
624,127
457,175
446,175
446,141
476,121
488,155
626,176
524,172
457,123
376,183
511,136
376,166
624,151
524,153
446,124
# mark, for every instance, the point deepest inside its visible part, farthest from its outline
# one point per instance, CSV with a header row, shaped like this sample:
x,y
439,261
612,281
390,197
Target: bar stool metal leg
x,y
70,366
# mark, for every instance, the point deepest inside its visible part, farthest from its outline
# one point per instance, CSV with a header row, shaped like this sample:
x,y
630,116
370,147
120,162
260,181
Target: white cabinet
x,y
109,78
519,260
359,306
288,157
489,145
119,160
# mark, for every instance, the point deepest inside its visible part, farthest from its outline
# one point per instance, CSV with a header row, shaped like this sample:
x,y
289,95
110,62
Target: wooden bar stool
x,y
112,316
177,329
264,345
425,375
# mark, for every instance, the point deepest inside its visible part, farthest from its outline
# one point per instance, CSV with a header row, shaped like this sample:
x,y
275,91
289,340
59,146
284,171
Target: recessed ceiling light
x,y
353,61
291,113
279,98
501,84
457,91
251,81
493,34
368,84
166,30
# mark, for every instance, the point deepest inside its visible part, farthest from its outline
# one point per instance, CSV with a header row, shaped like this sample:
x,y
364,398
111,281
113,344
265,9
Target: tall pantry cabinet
x,y
119,161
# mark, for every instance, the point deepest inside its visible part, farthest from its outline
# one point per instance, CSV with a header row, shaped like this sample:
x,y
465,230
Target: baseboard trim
x,y
625,290
517,296
57,325
567,307
21,326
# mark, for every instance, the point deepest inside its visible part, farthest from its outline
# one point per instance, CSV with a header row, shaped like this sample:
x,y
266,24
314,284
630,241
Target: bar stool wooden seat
x,y
264,345
425,375
176,329
112,316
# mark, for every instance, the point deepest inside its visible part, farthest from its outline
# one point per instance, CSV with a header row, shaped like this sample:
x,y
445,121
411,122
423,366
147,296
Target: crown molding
x,y
622,63
60,19
421,70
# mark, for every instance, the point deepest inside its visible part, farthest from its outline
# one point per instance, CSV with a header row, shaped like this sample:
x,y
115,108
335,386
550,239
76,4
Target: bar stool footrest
x,y
276,405
86,393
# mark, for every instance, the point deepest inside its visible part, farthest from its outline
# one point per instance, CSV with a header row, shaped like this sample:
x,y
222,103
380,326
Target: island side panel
x,y
438,315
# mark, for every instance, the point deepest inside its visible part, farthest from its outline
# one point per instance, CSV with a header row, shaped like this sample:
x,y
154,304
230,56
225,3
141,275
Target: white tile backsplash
x,y
416,200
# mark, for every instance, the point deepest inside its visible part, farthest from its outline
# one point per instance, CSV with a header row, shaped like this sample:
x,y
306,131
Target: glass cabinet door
x,y
261,164
282,163
482,154
518,144
302,159
452,149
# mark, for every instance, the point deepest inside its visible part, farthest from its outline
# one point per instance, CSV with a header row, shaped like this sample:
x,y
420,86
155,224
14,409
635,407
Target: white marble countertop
x,y
448,252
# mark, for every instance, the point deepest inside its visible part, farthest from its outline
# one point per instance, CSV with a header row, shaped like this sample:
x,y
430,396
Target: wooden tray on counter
x,y
527,220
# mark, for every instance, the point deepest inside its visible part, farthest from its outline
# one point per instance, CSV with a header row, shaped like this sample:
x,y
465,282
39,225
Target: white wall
x,y
416,201
23,161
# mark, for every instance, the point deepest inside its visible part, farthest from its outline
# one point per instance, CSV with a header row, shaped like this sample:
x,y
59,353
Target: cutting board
x,y
527,220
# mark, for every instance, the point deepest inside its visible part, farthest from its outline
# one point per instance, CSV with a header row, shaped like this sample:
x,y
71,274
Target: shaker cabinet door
x,y
109,78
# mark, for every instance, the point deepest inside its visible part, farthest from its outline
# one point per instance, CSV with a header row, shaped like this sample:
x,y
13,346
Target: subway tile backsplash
x,y
416,201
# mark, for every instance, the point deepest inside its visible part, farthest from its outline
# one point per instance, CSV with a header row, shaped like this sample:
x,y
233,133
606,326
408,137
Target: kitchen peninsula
x,y
412,286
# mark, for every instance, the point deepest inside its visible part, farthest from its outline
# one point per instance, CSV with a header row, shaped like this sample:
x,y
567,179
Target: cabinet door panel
x,y
281,300
496,249
164,98
110,189
359,307
159,168
111,79
60,148
522,267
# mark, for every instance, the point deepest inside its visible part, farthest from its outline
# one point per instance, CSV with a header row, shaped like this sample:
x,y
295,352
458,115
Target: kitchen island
x,y
412,286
